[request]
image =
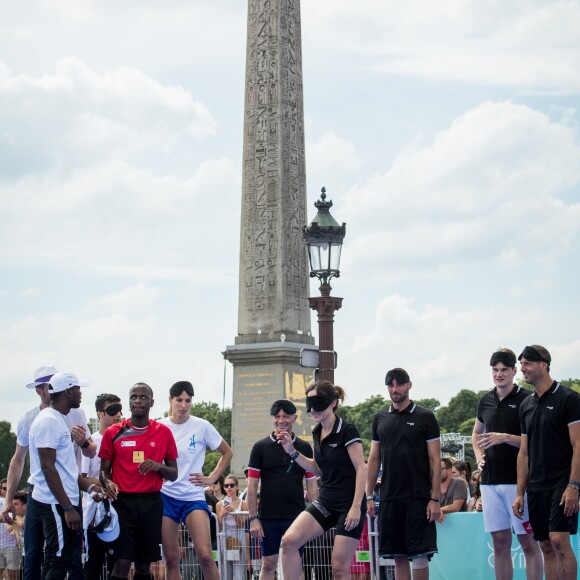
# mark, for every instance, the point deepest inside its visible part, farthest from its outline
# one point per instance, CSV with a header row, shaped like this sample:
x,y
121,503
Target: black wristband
x,y
433,499
86,444
67,508
252,518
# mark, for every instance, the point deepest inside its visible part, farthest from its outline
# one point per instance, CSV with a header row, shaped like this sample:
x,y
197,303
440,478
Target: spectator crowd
x,y
116,502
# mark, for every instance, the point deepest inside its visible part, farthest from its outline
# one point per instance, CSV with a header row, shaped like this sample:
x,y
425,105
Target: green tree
x,y
431,404
361,416
461,407
573,384
7,447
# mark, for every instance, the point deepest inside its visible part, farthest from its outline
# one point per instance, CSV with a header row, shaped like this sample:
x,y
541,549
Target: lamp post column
x,y
325,305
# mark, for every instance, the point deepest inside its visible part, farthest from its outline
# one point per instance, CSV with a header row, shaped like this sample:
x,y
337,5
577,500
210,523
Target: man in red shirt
x,y
136,455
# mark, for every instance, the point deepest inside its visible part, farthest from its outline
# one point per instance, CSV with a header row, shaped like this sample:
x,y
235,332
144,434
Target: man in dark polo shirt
x,y
281,486
405,439
496,441
549,463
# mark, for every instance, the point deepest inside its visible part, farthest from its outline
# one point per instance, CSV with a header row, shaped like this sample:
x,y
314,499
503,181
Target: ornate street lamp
x,y
323,239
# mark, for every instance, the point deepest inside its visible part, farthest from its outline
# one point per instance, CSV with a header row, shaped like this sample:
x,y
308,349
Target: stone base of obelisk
x,y
264,373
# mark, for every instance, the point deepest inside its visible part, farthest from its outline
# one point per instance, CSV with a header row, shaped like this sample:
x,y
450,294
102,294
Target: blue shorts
x,y
273,532
178,509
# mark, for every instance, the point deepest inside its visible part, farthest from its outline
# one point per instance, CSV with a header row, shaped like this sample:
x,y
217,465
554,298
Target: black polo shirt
x,y
403,438
545,421
338,479
501,417
281,492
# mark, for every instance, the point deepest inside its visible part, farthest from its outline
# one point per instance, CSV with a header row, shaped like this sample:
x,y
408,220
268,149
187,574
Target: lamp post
x,y
323,237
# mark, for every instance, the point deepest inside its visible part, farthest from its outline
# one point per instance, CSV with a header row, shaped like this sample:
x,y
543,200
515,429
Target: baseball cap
x,y
287,406
41,376
401,375
63,381
106,522
536,353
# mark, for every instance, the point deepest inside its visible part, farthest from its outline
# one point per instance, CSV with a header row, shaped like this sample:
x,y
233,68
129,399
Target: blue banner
x,y
466,551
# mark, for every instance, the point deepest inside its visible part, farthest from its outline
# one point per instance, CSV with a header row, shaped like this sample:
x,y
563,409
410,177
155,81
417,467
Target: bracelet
x,y
433,499
90,488
86,444
67,508
294,455
573,486
252,518
574,482
370,498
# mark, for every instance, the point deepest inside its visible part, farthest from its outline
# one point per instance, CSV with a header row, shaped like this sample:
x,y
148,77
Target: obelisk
x,y
273,311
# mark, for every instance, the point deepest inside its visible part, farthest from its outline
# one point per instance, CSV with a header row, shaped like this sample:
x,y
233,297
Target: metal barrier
x,y
238,555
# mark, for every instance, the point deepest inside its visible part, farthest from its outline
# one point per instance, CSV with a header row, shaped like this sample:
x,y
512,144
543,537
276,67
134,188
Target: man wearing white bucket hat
x,y
78,427
54,470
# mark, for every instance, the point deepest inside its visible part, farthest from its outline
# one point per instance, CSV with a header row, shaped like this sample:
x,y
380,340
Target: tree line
x,y
458,416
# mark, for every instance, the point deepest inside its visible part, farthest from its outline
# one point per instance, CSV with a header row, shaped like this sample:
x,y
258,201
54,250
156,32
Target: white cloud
x,y
76,118
487,188
529,45
132,298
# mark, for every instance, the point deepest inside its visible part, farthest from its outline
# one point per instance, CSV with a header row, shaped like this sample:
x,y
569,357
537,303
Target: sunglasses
x,y
318,403
113,409
226,485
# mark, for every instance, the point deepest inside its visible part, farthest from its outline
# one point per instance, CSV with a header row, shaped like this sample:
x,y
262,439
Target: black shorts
x,y
404,529
140,516
328,518
547,515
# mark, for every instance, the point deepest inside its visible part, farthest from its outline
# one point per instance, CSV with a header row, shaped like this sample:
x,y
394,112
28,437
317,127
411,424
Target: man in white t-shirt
x,y
109,411
79,429
55,473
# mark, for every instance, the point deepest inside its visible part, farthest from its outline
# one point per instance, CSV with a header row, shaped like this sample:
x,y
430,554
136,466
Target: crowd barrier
x,y
465,551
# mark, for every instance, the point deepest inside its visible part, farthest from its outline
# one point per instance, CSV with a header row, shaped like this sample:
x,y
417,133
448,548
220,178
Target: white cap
x,y
63,381
41,376
107,522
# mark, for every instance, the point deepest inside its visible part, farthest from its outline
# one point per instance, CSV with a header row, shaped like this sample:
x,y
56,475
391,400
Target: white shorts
x,y
498,515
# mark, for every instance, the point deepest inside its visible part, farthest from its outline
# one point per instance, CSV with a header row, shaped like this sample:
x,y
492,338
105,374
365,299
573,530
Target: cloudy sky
x,y
446,133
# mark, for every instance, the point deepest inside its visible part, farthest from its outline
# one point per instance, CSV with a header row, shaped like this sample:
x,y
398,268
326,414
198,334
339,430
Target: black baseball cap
x,y
401,375
287,406
536,353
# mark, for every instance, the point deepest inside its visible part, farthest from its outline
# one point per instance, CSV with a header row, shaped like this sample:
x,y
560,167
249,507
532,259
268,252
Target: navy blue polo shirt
x,y
403,437
501,416
544,421
338,479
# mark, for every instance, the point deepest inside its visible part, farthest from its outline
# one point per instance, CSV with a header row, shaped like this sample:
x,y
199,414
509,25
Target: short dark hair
x,y
105,398
140,384
180,386
447,461
505,356
22,496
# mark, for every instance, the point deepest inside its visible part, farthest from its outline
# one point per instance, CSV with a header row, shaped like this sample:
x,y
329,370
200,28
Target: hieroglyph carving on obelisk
x,y
273,259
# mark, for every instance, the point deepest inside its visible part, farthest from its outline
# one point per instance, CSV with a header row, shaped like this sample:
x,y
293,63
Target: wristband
x,y
67,508
370,498
574,482
294,455
90,488
86,444
252,518
433,499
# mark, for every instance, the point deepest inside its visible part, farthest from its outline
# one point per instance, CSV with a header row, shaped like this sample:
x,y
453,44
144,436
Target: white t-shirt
x,y
74,417
92,467
191,439
50,430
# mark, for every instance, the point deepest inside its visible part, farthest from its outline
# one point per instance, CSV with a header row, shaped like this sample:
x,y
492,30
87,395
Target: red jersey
x,y
127,446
